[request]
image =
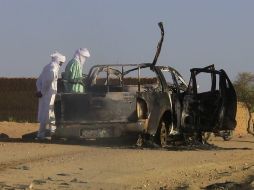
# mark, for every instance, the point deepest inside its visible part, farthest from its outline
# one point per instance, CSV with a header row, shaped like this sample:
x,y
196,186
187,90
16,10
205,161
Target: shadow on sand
x,y
119,143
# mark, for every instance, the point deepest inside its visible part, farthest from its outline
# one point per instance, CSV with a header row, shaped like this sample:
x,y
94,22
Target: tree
x,y
244,86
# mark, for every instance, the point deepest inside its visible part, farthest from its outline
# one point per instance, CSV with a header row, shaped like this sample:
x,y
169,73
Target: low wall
x,y
18,103
17,100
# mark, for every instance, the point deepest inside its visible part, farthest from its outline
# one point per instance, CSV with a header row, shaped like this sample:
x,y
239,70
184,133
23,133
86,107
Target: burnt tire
x,y
162,134
227,136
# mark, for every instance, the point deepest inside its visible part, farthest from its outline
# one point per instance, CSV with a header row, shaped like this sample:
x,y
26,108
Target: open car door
x,y
211,109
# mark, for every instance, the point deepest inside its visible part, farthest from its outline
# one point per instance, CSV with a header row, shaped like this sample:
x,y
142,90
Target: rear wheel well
x,y
142,109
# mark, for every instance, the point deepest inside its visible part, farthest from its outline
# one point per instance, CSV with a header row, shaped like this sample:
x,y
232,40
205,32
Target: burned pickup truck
x,y
159,106
152,102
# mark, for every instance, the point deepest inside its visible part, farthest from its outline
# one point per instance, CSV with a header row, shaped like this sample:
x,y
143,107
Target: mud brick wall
x,y
242,120
127,81
17,100
18,103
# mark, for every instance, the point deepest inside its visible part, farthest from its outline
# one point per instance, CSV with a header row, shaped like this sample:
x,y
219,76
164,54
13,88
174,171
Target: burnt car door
x,y
213,109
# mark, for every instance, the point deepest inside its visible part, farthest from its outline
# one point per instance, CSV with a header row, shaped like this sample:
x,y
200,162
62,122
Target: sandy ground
x,y
104,165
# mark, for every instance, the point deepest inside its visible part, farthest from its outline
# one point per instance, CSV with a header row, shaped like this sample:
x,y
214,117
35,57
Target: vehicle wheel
x,y
140,141
206,136
162,134
227,135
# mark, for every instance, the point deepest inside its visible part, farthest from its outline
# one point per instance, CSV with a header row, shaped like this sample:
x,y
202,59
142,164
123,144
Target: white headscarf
x,y
81,54
58,57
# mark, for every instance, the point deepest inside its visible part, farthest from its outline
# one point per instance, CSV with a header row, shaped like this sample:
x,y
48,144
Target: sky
x,y
197,33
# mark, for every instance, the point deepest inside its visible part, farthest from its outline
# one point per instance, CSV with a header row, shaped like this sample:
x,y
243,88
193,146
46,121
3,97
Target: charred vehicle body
x,y
152,101
212,108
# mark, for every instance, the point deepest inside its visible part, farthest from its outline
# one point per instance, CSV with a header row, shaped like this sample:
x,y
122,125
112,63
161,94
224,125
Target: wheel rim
x,y
163,135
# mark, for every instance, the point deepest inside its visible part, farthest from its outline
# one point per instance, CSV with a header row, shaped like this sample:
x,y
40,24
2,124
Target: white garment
x,y
80,55
47,85
58,57
83,52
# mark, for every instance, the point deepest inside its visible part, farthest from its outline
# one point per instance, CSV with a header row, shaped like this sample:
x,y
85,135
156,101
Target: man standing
x,y
46,90
73,71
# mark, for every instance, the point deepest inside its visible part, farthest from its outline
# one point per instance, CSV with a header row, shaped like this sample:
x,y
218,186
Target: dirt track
x,y
96,165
